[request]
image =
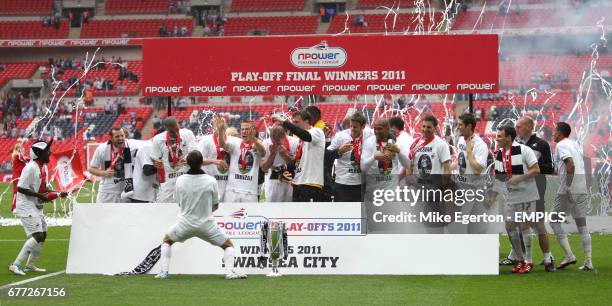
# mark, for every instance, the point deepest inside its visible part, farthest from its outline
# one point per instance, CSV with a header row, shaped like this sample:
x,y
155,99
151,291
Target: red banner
x,y
67,174
69,42
304,65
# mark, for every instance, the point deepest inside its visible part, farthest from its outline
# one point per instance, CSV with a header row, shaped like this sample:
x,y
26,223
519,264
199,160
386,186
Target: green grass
x,y
560,288
84,196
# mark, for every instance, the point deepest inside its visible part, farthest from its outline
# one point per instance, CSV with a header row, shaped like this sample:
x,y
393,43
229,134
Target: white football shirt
x,y
348,169
159,150
565,149
196,194
30,179
244,167
144,189
309,167
428,159
466,176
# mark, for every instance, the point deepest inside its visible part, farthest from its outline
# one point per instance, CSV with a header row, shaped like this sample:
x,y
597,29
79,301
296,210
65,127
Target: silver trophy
x,y
273,244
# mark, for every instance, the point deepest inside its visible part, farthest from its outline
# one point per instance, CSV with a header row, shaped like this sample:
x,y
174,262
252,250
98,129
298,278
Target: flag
x,y
67,174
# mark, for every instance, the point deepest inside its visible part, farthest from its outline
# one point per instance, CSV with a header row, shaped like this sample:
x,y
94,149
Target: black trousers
x,y
305,193
347,193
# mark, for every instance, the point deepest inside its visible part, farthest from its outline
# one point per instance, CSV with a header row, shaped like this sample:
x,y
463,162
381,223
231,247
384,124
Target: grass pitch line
x,y
33,279
18,240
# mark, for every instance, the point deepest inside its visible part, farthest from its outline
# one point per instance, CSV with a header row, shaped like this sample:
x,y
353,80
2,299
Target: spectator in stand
x,y
156,122
184,31
120,88
163,31
175,31
170,7
85,16
137,134
98,84
14,132
107,107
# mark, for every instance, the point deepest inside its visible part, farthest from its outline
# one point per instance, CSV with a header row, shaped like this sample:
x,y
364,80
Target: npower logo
x,y
319,56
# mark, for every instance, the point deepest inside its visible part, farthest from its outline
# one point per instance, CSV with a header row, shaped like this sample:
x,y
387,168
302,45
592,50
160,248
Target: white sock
x,y
527,241
512,255
562,239
515,240
166,253
27,248
585,236
35,253
547,257
228,259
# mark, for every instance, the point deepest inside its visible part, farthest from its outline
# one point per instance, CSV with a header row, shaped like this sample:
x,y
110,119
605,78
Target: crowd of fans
x,y
87,86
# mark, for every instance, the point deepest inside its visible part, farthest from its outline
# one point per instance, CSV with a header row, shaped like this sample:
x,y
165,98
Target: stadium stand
x,y
132,27
17,71
373,4
110,72
282,25
267,5
118,7
32,30
25,7
558,71
375,23
532,18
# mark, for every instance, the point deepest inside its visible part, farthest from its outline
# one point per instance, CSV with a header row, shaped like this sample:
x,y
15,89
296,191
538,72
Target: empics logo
x,y
319,56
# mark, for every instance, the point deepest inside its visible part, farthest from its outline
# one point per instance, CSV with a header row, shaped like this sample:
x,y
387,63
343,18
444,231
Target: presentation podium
x,y
323,238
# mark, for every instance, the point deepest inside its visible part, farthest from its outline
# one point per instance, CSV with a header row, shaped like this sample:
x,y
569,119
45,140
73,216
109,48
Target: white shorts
x,y
510,210
166,192
277,191
207,231
34,224
232,196
578,206
474,208
105,197
221,185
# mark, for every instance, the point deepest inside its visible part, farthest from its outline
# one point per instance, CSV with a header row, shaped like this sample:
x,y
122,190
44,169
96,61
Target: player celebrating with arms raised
x,y
245,156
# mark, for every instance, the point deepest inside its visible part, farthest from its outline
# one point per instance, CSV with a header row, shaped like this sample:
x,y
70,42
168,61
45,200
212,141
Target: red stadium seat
x,y
18,71
283,25
111,73
131,27
267,5
532,18
520,67
372,4
117,7
377,23
31,30
25,7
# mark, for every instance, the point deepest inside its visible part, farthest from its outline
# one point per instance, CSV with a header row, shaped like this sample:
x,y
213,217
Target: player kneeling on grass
x,y
32,193
197,196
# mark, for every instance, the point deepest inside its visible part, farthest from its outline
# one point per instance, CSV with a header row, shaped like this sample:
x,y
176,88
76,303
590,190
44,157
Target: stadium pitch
x,y
570,286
